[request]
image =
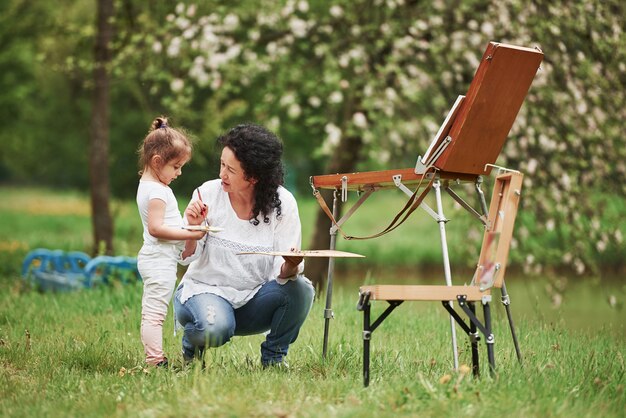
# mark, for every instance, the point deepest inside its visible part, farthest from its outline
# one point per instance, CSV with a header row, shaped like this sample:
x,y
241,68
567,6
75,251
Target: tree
x,y
99,144
368,82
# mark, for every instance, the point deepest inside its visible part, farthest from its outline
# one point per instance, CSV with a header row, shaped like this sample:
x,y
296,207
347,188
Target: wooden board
x,y
422,292
444,130
490,107
380,179
205,228
307,253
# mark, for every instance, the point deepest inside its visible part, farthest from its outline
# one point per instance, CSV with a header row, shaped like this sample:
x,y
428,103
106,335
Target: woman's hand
x,y
196,212
290,266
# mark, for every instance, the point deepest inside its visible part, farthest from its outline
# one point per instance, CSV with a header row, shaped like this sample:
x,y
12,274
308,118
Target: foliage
x,y
318,72
386,71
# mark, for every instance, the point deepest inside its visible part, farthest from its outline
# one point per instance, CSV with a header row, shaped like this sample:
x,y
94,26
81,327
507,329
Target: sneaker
x,y
187,360
163,363
279,365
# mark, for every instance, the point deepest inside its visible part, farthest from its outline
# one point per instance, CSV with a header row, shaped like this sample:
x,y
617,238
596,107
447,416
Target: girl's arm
x,y
156,228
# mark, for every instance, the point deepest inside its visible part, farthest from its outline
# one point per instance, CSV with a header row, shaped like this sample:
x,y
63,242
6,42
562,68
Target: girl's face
x,y
169,171
232,175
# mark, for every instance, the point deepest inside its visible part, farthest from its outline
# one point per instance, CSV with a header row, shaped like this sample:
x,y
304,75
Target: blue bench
x,y
56,270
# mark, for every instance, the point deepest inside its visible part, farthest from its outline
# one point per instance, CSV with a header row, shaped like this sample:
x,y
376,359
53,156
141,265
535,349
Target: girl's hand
x,y
196,235
196,212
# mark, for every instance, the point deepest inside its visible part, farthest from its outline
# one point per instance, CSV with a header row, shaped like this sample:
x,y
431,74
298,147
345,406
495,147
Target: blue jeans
x,y
210,321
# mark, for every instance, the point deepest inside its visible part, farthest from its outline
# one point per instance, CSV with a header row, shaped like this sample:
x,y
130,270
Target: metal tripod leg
x,y
506,301
446,264
328,312
367,335
474,337
490,339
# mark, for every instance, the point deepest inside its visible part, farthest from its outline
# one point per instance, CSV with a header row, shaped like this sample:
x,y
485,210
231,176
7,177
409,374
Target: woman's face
x,y
232,175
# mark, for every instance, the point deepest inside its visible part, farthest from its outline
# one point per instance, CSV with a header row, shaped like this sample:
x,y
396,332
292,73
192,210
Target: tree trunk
x,y
99,141
343,161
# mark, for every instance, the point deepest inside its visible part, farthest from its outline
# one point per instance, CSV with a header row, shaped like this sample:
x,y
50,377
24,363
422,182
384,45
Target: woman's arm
x,y
290,267
288,236
195,213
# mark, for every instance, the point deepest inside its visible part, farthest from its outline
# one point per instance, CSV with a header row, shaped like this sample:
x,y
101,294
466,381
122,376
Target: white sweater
x,y
215,266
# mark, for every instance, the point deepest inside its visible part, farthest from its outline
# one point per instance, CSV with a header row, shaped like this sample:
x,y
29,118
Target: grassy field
x,y
79,354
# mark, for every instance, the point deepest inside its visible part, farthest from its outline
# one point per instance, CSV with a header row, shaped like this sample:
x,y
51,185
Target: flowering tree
x,y
364,84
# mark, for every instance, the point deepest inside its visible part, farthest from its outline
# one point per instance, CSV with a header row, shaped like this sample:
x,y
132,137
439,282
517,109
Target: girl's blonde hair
x,y
165,141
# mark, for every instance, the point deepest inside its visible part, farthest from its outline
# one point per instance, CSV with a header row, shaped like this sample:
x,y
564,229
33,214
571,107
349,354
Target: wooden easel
x,y
465,148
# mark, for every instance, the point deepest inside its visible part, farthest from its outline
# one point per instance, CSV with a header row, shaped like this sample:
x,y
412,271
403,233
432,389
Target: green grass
x,y
79,354
82,357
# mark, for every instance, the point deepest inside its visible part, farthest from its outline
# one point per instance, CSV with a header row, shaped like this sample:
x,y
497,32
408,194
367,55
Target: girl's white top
x,y
215,266
148,190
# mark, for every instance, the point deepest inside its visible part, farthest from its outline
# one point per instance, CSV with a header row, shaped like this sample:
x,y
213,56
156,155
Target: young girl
x,y
162,155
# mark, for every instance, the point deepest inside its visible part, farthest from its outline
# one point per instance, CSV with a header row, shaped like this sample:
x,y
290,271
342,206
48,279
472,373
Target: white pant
x,y
157,266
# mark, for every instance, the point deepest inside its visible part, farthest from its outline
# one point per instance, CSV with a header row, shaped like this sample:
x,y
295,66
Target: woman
x,y
224,294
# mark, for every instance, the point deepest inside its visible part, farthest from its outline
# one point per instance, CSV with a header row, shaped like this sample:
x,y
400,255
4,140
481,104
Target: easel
x,y
465,148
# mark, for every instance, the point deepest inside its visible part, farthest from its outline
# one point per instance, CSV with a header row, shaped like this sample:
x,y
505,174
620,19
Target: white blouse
x,y
148,190
215,266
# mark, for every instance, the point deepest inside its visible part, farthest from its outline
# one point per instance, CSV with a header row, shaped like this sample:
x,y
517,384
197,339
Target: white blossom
x,y
231,22
174,47
294,111
333,134
177,85
391,94
359,120
287,99
273,123
298,27
336,11
335,97
315,101
488,29
303,6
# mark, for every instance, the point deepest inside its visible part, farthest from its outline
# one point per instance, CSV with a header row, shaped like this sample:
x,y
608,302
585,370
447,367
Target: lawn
x,y
79,354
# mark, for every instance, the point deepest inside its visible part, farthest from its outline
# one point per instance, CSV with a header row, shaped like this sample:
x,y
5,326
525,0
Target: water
x,y
581,304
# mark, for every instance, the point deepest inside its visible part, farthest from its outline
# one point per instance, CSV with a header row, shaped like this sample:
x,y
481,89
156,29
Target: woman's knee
x,y
304,291
208,335
211,325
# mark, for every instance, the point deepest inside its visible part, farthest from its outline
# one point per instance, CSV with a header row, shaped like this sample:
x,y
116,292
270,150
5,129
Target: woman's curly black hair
x,y
259,151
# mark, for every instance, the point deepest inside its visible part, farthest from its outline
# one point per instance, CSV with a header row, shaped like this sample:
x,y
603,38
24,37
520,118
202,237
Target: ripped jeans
x,y
210,321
